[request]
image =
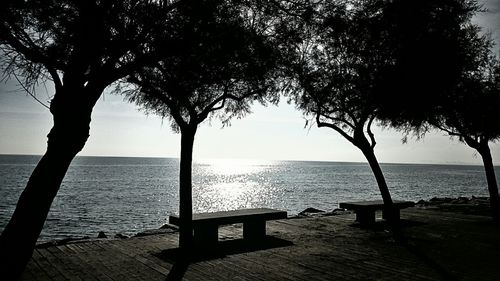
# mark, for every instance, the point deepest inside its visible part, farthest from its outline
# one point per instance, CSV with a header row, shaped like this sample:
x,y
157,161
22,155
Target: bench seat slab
x,y
365,210
206,225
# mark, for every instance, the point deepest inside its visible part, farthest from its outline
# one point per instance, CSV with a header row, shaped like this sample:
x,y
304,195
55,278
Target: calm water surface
x,y
128,195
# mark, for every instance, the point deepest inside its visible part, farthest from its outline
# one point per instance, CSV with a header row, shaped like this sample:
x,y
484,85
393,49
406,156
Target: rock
x,y
309,211
154,232
46,244
61,241
102,235
72,239
437,201
338,211
460,200
422,203
169,226
120,236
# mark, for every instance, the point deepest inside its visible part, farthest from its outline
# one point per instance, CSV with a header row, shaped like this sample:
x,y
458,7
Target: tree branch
x,y
334,127
171,5
174,110
449,132
30,93
342,120
32,52
474,143
353,118
288,10
113,73
370,133
225,96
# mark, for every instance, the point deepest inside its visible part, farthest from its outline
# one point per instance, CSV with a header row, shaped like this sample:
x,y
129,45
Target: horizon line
x,y
262,159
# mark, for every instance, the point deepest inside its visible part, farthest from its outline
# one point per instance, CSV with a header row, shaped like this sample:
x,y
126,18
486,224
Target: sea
x,y
129,195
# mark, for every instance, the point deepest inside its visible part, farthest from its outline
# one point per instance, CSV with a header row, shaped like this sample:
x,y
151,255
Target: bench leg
x,y
365,217
207,235
254,230
388,215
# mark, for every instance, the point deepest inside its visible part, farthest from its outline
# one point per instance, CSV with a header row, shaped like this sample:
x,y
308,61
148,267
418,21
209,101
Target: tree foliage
x,y
362,60
338,65
431,44
471,112
78,41
216,62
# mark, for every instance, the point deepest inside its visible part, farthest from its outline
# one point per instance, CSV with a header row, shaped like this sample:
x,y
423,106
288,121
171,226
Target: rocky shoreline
x,y
468,205
474,201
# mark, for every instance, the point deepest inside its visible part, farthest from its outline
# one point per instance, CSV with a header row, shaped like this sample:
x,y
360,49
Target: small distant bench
x,y
206,225
365,210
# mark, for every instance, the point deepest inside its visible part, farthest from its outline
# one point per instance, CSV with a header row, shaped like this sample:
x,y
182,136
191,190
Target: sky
x,y
278,132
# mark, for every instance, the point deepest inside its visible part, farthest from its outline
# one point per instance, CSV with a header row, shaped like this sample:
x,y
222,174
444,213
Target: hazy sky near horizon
x,y
273,132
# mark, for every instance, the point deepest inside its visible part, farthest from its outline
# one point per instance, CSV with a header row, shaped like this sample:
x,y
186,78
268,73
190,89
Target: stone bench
x,y
206,225
365,210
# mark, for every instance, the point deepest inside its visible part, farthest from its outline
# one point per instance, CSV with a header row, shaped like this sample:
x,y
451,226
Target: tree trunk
x,y
66,138
379,176
489,169
185,188
360,141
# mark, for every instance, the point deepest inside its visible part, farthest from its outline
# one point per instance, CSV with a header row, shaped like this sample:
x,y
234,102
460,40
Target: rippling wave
x,y
127,195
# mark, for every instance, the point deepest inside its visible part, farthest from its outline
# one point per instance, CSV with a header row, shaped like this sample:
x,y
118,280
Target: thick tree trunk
x,y
66,138
360,141
185,188
491,179
379,176
389,212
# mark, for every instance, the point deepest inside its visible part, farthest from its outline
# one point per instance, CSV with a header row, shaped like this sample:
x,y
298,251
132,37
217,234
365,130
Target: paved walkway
x,y
436,245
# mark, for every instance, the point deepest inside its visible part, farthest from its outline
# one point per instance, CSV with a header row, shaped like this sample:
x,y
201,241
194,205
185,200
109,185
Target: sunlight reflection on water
x,y
227,167
227,184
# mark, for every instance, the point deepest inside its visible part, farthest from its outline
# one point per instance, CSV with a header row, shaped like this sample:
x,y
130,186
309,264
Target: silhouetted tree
x,y
470,112
473,116
453,85
82,47
336,72
219,64
347,68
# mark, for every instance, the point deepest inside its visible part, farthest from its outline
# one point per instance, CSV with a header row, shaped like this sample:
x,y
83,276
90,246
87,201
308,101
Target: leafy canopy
x,y
217,58
91,43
